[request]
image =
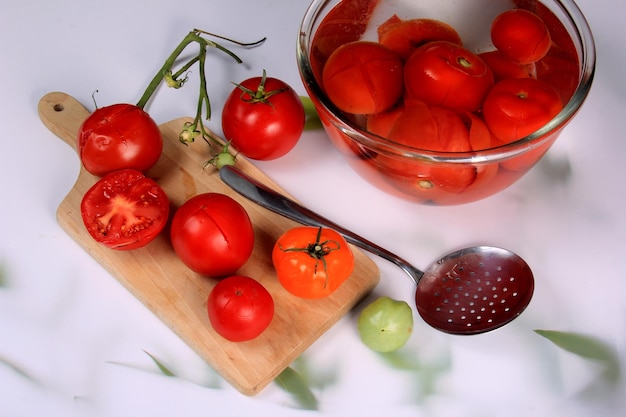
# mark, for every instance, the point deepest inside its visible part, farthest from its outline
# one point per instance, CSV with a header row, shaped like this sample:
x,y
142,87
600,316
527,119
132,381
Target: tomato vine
x,y
177,79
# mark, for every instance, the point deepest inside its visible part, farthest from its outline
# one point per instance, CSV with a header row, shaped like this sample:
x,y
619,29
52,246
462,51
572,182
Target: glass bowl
x,y
444,177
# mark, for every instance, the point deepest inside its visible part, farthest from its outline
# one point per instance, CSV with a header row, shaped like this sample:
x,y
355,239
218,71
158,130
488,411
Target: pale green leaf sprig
x,y
301,381
312,119
212,380
587,347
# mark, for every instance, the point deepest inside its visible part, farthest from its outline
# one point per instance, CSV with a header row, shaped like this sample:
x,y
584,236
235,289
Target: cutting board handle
x,y
63,115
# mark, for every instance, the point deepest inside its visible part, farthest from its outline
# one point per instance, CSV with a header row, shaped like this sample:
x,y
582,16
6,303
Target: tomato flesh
x,y
117,137
240,308
125,210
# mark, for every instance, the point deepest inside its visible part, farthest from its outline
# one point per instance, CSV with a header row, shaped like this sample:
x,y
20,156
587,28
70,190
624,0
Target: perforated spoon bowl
x,y
468,291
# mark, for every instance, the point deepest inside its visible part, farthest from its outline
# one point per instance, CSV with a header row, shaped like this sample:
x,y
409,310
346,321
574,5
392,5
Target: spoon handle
x,y
272,200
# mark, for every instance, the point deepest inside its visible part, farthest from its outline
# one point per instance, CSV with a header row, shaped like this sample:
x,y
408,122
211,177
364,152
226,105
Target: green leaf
x,y
293,383
313,121
164,370
3,276
586,347
17,369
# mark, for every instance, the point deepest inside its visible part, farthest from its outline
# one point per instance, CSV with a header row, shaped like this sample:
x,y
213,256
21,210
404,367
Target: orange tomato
x,y
312,262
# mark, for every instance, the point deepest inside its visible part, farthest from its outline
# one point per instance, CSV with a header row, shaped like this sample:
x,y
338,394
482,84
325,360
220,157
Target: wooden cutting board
x,y
177,295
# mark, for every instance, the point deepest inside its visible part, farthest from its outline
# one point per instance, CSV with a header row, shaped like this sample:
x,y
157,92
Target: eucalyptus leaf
x,y
17,369
586,347
164,370
3,276
293,383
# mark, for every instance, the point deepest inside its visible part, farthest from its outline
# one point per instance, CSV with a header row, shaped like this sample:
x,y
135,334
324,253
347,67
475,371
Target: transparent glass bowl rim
x,y
371,141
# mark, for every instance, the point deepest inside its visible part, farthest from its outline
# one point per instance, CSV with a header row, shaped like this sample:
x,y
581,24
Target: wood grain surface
x,y
177,295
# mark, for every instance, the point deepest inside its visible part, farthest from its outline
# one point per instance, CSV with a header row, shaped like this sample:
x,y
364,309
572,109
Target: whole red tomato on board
x,y
240,308
263,118
363,77
515,108
312,262
521,36
124,210
117,137
446,74
212,234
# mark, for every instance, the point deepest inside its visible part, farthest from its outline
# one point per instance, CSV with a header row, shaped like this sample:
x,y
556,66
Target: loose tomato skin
x,y
117,137
363,78
445,74
125,210
212,234
301,268
404,36
515,108
521,36
263,129
240,308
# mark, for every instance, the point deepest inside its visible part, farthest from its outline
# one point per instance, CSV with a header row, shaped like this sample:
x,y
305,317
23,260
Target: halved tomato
x,y
125,210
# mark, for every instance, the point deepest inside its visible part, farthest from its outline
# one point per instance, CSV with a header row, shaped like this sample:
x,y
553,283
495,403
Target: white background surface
x,y
80,336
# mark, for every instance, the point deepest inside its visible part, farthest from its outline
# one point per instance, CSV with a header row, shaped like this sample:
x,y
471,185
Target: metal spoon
x,y
469,291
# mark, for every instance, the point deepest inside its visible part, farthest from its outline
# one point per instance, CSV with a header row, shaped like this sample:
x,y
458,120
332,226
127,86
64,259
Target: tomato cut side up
x,y
312,262
117,137
212,234
125,210
240,308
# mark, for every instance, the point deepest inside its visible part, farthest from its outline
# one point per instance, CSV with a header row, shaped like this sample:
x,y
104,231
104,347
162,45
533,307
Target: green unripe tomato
x,y
386,324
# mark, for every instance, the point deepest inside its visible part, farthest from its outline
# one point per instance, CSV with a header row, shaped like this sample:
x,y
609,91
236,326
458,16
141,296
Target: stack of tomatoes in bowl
x,y
444,102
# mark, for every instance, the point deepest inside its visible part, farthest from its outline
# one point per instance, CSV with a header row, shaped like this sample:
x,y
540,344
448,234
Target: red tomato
x,y
520,35
405,36
312,262
346,22
117,137
263,118
435,129
212,234
515,108
502,67
431,128
124,210
381,123
240,308
445,74
363,78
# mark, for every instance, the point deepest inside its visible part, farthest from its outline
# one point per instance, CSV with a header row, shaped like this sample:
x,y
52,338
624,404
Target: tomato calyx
x,y
318,250
222,159
260,95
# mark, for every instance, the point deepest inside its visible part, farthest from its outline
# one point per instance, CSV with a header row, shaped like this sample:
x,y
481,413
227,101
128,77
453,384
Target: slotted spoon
x,y
468,291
